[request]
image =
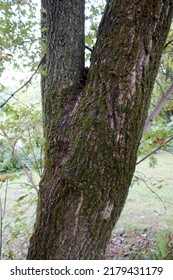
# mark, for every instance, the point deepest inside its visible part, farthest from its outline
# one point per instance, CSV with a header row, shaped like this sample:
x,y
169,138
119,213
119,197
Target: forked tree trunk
x,y
93,130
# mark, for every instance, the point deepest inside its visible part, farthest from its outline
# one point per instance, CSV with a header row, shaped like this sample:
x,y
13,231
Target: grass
x,y
149,207
150,203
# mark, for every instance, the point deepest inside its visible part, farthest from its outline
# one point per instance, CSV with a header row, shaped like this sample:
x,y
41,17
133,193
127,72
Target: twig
x,y
5,199
158,107
91,38
25,170
37,168
168,43
26,106
170,139
160,86
2,215
0,229
156,196
27,82
25,41
153,192
88,48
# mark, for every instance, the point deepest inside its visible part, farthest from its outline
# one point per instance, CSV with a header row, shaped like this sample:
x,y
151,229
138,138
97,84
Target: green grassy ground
x,y
150,205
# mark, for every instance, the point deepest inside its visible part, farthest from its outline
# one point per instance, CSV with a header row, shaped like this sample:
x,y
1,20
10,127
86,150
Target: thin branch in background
x,y
165,73
37,168
26,157
24,42
160,86
168,43
158,107
89,35
144,181
0,229
5,198
88,48
27,82
26,106
25,170
2,212
41,162
155,150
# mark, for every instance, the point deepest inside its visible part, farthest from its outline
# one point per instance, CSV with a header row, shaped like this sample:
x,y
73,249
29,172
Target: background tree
x,y
93,128
158,126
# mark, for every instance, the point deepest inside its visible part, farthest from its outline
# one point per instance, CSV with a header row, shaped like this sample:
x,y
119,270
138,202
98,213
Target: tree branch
x,y
88,48
168,43
147,185
24,42
27,82
25,170
155,150
158,108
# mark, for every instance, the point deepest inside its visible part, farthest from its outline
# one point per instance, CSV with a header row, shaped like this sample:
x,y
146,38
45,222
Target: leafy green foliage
x,y
19,40
8,163
164,244
21,133
94,11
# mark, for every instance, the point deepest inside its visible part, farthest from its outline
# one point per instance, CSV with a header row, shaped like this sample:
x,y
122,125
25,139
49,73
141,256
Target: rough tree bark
x,y
93,128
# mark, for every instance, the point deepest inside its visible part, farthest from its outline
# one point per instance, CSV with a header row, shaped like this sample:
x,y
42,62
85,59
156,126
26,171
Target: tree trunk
x,y
93,129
